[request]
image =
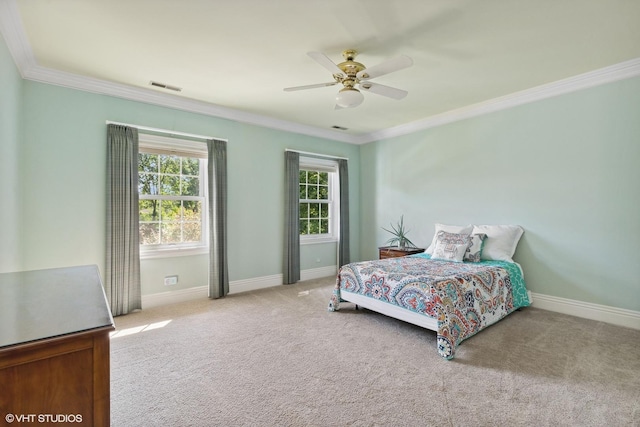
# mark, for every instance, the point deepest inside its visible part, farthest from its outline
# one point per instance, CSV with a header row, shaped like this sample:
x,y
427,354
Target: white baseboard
x,y
255,283
172,297
602,313
318,273
236,286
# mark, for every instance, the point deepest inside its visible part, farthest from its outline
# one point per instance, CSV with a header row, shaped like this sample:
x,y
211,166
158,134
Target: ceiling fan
x,y
351,74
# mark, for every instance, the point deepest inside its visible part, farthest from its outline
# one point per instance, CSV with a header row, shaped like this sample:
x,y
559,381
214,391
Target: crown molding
x,y
621,71
609,74
13,32
149,96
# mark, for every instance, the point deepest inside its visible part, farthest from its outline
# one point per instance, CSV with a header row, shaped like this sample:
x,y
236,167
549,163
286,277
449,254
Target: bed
x,y
455,298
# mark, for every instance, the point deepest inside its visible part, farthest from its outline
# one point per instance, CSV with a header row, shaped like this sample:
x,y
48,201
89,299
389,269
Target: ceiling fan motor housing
x,y
350,67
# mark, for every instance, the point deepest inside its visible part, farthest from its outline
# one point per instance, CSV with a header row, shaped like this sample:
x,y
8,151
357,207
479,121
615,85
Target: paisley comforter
x,y
464,297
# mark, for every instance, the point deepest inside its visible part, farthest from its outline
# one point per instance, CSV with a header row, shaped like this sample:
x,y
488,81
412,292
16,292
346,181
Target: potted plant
x,y
399,233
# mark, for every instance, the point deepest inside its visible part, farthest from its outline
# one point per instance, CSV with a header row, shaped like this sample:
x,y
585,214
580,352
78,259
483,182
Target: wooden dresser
x,y
54,348
395,251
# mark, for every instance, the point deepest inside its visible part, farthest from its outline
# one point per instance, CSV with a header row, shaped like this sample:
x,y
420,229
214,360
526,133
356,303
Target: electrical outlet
x,y
170,280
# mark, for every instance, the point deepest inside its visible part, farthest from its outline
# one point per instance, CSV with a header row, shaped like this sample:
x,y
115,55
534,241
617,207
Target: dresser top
x,y
41,304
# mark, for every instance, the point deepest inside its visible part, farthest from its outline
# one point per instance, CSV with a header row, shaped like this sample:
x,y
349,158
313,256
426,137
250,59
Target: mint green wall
x,y
564,168
63,182
10,107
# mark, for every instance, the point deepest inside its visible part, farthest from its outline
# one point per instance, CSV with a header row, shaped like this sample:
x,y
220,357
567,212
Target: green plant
x,y
399,235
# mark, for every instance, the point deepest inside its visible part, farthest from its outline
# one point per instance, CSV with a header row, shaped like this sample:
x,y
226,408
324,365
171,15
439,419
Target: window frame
x,y
155,144
331,167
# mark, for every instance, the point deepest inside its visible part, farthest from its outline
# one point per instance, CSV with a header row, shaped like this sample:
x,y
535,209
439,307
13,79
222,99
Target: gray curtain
x,y
343,244
217,187
291,272
122,268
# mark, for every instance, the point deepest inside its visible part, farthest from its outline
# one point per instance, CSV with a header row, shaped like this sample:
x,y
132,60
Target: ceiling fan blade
x,y
291,89
386,67
323,60
388,91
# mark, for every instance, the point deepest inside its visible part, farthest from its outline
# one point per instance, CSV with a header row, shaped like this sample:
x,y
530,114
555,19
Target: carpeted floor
x,y
276,357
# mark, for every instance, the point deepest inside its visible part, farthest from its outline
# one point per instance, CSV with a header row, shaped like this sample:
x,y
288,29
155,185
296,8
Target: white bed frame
x,y
390,310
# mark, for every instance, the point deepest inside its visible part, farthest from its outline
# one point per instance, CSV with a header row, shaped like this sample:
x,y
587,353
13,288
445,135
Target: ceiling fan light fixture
x,y
349,98
350,73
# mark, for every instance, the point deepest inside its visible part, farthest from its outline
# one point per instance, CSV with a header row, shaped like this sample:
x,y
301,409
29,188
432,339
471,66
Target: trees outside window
x,y
172,199
318,200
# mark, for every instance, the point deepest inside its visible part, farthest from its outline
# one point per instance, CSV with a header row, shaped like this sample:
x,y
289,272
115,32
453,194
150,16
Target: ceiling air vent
x,y
165,86
339,127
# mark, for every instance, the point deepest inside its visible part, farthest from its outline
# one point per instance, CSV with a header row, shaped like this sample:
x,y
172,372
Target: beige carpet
x,y
276,357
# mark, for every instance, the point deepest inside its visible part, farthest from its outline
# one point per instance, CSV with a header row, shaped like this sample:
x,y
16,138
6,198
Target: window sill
x,y
317,240
172,253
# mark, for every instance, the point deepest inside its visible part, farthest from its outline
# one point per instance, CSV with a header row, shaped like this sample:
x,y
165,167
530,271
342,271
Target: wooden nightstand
x,y
396,252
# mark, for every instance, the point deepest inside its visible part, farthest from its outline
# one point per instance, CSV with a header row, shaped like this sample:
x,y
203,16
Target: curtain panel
x,y
217,200
122,267
291,271
343,244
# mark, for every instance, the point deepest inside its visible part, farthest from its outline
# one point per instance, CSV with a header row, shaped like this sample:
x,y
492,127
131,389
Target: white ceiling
x,y
234,57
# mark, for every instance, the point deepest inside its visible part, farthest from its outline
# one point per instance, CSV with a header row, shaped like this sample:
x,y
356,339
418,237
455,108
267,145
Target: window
x,y
319,209
171,189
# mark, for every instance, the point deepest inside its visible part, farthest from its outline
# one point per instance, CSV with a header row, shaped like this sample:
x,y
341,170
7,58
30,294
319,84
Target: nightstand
x,y
396,252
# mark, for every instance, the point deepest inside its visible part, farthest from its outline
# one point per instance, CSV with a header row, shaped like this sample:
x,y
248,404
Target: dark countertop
x,y
41,304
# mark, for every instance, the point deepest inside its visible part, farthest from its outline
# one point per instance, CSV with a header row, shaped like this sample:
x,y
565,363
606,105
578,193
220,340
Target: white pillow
x,y
458,229
450,246
501,241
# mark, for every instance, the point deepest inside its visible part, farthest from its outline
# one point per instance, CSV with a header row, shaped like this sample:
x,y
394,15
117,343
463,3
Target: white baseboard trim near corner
x,y
236,286
255,283
172,297
318,273
602,313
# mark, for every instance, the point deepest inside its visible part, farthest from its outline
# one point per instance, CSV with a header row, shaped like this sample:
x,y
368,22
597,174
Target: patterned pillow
x,y
450,246
466,229
474,251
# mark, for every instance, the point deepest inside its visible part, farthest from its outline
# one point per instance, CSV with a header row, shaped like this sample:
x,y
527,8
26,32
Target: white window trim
x,y
331,166
148,253
160,144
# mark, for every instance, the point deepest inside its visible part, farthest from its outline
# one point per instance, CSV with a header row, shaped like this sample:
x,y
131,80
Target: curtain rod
x,y
167,132
316,154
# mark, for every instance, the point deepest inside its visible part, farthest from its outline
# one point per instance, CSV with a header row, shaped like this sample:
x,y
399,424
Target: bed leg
x,y
356,306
